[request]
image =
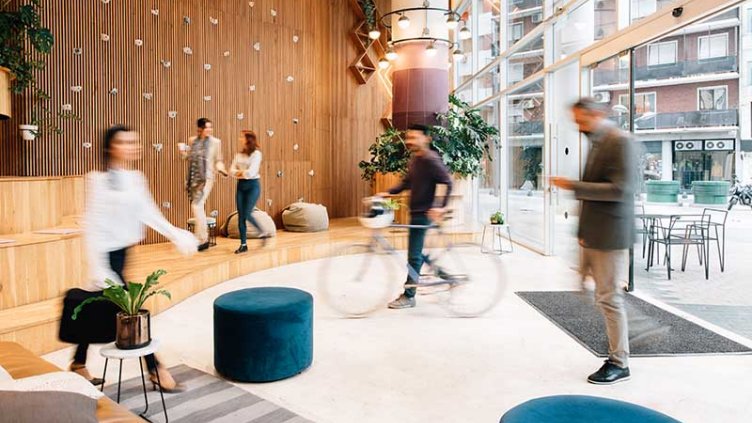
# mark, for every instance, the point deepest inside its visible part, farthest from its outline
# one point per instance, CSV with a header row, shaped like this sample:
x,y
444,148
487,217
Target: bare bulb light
x,y
374,34
403,22
452,22
391,55
383,63
431,50
458,55
465,33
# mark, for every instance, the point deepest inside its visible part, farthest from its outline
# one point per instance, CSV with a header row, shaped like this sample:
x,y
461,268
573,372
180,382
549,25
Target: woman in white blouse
x,y
118,207
246,167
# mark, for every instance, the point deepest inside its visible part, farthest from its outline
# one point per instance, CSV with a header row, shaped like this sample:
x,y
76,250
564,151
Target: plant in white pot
x,y
133,322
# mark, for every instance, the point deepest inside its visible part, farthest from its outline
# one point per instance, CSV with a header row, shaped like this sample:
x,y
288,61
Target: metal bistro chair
x,y
713,226
641,226
686,236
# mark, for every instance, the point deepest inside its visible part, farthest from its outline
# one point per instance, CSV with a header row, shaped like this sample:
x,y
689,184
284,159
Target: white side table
x,y
110,351
496,231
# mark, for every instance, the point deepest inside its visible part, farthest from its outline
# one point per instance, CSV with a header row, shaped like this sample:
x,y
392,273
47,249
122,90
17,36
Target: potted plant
x,y
369,10
497,218
19,29
133,322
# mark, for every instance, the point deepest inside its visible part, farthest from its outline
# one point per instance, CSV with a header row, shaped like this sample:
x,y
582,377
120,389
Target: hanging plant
x,y
369,9
18,29
463,139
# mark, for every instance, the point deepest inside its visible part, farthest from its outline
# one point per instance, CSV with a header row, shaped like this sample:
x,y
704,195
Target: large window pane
x,y
526,61
489,189
606,18
643,8
524,139
575,32
523,17
488,83
489,30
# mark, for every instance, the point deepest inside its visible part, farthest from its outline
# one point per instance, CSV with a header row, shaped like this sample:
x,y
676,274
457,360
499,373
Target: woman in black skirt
x,y
118,208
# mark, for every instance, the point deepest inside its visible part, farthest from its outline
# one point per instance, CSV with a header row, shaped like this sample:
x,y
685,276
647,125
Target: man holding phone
x,y
204,154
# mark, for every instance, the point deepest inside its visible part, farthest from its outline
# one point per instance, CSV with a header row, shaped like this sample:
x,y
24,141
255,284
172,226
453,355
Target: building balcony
x,y
677,120
533,127
681,69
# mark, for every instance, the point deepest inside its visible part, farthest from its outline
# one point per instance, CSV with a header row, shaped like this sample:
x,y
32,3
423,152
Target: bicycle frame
x,y
379,240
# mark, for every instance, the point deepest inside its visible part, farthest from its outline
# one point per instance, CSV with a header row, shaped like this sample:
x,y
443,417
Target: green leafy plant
x,y
388,154
18,29
392,204
497,218
131,299
369,9
464,138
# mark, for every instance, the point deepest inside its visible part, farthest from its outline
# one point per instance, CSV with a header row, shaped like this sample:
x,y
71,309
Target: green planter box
x,y
662,191
711,192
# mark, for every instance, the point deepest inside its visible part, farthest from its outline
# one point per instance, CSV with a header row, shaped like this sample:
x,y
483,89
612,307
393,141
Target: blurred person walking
x,y
118,208
606,227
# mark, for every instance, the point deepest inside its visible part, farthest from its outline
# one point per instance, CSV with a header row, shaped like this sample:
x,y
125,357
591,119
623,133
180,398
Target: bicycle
x,y
474,282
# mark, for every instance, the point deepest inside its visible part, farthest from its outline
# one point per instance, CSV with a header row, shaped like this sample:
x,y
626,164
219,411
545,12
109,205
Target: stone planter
x,y
662,191
711,192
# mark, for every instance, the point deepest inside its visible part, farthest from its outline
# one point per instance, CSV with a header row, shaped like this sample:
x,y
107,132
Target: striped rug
x,y
206,399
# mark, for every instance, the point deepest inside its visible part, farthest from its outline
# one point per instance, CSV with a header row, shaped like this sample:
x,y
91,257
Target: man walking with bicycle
x,y
424,172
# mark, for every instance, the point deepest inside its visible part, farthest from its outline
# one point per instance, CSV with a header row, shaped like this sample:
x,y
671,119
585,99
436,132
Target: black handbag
x,y
95,323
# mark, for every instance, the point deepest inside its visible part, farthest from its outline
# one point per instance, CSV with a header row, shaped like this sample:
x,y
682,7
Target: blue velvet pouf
x,y
582,409
263,334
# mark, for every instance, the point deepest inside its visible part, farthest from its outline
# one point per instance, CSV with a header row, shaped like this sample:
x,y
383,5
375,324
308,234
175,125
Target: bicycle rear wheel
x,y
358,280
477,281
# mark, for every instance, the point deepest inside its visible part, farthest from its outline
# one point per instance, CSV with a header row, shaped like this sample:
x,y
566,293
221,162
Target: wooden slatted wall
x,y
337,118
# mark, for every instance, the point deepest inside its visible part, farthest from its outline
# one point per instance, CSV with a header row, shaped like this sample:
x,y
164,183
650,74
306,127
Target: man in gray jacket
x,y
606,229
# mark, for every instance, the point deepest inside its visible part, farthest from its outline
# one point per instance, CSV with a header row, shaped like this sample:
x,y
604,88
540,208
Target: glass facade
x,y
524,75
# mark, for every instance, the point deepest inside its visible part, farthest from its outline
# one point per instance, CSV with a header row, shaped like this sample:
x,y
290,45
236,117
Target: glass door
x,y
565,160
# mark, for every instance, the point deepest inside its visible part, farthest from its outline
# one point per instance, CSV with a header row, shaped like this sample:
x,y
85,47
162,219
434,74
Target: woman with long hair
x,y
118,208
246,167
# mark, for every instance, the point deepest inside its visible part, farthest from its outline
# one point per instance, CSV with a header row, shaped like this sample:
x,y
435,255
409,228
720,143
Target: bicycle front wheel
x,y
477,281
358,280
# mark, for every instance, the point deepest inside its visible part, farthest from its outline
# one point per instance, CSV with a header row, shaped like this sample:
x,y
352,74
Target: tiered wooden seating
x,y
37,269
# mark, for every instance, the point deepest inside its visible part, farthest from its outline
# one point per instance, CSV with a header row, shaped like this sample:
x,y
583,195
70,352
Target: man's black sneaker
x,y
609,374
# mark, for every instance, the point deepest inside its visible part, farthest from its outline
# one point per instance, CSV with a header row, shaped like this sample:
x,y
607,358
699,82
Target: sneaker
x,y
609,374
402,302
204,246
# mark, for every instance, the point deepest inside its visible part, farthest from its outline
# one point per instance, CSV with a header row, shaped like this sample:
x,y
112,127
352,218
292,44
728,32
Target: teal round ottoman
x,y
263,334
582,409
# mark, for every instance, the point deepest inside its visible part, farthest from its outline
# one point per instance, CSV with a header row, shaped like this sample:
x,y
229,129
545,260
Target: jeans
x,y
416,238
606,268
199,213
117,264
245,198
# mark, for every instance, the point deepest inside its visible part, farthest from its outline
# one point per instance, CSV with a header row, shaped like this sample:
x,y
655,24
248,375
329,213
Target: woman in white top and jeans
x,y
118,207
246,167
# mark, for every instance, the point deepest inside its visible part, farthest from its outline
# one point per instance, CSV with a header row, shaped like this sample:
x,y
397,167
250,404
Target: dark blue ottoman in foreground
x,y
263,334
582,409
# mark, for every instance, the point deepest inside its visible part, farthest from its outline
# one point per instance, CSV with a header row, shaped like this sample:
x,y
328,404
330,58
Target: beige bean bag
x,y
230,228
305,217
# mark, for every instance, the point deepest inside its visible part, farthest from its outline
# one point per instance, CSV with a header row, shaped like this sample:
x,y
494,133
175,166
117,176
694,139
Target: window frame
x,y
713,87
647,93
514,25
709,37
674,43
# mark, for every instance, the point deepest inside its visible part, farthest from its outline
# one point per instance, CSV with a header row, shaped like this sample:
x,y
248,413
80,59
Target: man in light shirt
x,y
204,154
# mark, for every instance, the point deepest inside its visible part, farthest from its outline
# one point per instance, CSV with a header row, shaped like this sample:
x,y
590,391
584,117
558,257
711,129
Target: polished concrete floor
x,y
419,365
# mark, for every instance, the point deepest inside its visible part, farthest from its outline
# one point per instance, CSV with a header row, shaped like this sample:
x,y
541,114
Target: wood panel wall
x,y
337,118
